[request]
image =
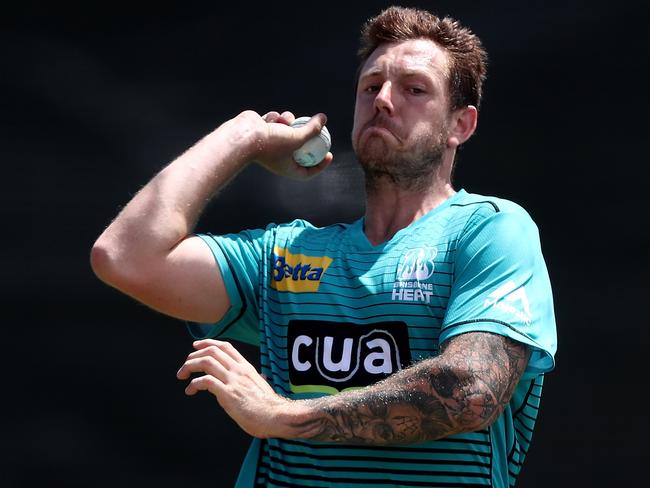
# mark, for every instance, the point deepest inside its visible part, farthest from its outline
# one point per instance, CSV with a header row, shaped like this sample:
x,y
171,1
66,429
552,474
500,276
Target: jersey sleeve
x,y
239,259
501,285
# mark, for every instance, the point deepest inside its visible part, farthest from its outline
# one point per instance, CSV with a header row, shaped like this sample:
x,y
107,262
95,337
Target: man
x,y
405,349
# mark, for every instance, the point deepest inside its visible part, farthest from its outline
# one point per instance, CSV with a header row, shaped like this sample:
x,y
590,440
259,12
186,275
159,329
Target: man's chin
x,y
374,161
375,153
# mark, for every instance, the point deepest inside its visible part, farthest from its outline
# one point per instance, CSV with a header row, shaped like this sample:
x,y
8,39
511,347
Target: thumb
x,y
312,128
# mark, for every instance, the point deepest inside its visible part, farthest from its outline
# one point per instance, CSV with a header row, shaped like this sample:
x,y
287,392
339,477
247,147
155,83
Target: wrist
x,y
291,418
242,136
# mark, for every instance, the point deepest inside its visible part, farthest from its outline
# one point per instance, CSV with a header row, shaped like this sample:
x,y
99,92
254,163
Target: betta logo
x,y
296,272
330,357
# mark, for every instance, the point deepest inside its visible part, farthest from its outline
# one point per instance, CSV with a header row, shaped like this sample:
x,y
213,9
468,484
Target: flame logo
x,y
417,264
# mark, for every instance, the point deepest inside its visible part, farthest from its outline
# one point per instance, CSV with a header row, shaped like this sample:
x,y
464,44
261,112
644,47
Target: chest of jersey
x,y
337,317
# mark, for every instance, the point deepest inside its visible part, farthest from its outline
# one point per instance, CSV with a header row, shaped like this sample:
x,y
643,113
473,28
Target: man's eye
x,y
415,90
372,88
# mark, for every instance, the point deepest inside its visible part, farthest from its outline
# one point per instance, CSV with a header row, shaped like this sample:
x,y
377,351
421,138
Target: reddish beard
x,y
410,168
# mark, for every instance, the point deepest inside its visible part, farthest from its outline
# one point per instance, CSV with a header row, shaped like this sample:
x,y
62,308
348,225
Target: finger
x,y
205,364
205,383
224,346
287,117
317,169
270,116
218,354
215,354
203,343
232,351
312,128
302,133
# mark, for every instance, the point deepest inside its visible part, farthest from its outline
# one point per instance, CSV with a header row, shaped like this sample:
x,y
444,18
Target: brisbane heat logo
x,y
414,268
297,272
330,357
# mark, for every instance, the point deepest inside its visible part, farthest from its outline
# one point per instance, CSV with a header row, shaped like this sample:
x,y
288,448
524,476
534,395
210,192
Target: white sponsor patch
x,y
511,299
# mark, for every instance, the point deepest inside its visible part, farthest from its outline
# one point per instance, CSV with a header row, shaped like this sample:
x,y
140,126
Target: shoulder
x,y
487,205
478,211
299,231
299,226
496,230
283,234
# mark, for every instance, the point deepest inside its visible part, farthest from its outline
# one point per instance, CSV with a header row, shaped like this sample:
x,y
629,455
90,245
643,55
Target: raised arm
x,y
463,389
148,253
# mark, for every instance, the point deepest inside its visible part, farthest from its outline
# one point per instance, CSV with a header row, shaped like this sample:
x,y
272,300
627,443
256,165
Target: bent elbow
x,y
101,262
480,411
110,266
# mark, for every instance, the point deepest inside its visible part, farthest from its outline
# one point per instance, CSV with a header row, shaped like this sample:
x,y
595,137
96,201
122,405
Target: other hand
x,y
240,390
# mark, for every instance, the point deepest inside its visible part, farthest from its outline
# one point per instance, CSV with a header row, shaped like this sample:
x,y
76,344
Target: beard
x,y
410,170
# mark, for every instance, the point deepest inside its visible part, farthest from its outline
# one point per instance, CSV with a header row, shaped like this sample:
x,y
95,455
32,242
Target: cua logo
x,y
297,272
331,356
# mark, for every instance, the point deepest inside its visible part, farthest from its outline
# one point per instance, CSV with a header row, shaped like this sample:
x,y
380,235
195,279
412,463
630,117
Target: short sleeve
x,y
501,285
239,259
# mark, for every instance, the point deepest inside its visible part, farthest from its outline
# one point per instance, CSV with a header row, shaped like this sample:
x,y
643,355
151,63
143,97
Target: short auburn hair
x,y
468,58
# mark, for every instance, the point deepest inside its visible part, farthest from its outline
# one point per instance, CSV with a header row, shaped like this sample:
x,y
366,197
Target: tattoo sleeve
x,y
463,389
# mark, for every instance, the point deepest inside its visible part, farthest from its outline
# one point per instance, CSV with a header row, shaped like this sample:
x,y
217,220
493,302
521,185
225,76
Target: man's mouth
x,y
383,125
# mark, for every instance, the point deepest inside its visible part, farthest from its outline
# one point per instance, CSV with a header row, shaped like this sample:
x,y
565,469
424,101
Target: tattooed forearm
x,y
465,388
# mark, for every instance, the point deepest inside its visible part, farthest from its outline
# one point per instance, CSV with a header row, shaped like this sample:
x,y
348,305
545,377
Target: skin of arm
x,y
148,252
463,389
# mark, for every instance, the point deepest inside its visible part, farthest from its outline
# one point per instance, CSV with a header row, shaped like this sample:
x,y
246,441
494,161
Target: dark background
x,y
95,99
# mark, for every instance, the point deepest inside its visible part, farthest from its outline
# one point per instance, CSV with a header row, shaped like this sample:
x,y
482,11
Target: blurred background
x,y
96,98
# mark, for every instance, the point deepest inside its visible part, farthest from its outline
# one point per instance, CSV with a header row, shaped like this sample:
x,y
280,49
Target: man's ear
x,y
462,125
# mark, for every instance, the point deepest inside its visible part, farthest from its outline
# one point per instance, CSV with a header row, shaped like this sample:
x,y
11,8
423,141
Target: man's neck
x,y
390,209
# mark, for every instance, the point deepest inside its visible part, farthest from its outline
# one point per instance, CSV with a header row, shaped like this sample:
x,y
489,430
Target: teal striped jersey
x,y
331,312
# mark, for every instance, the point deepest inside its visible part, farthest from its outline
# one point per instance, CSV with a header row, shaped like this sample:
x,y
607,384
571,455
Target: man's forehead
x,y
412,55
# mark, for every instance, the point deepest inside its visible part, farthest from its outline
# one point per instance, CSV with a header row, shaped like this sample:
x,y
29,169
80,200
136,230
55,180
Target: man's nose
x,y
383,99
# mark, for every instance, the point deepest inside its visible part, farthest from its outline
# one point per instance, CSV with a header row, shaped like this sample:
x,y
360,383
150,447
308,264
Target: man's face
x,y
401,111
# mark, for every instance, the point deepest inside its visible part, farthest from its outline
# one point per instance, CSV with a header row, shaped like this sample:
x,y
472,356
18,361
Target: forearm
x,y
166,209
411,406
147,251
435,398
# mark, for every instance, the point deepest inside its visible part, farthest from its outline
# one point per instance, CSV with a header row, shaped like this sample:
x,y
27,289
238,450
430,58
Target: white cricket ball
x,y
315,149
